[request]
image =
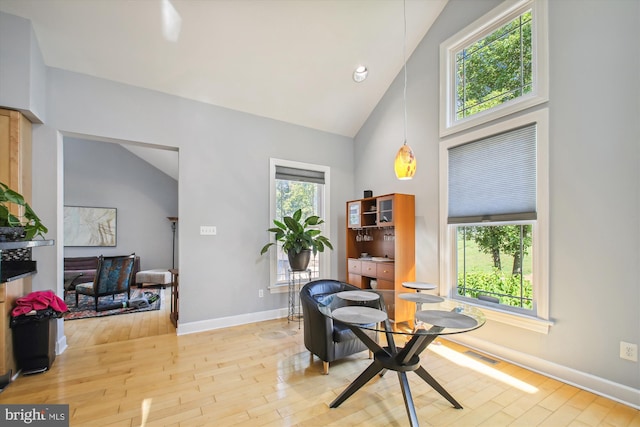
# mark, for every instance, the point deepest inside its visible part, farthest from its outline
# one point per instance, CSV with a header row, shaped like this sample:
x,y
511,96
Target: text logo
x,y
34,415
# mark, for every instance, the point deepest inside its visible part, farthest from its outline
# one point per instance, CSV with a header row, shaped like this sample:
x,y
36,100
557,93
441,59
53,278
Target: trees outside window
x,y
293,186
495,67
494,264
292,195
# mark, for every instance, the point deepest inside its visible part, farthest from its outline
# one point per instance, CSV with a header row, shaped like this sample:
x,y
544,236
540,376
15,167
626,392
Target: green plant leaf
x,y
279,225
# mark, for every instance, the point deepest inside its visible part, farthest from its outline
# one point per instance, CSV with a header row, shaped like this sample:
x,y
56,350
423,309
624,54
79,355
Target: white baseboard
x,y
225,322
603,387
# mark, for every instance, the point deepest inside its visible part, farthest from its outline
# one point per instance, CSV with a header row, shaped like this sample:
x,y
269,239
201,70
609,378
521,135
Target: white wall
x,y
594,179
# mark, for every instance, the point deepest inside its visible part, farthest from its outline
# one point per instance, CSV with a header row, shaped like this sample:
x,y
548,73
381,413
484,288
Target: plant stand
x,y
296,278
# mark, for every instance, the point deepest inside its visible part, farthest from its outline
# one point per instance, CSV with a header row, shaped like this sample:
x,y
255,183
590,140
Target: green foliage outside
x,y
294,195
482,268
495,69
498,285
291,197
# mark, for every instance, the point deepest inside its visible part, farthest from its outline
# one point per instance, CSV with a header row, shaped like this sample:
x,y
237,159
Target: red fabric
x,y
39,300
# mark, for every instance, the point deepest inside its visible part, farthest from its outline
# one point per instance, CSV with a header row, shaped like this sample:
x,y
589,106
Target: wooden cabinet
x,y
383,227
15,171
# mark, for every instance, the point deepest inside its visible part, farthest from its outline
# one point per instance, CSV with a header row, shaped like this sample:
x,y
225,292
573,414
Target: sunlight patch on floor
x,y
146,407
468,362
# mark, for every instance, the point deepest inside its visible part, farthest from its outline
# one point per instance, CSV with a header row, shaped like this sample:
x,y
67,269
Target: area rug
x,y
86,304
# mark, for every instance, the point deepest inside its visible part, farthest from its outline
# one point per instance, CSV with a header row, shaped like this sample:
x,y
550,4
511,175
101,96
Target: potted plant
x,y
299,238
25,226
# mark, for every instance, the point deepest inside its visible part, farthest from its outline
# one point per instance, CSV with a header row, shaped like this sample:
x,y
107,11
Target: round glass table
x,y
360,312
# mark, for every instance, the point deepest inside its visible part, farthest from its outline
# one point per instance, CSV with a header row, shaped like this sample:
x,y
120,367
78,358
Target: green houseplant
x,y
28,221
299,238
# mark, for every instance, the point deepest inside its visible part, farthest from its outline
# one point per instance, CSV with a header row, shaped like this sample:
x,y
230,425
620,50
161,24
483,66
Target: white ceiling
x,y
288,60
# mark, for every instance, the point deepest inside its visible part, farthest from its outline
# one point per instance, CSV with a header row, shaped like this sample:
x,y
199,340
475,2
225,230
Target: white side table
x,y
419,298
419,286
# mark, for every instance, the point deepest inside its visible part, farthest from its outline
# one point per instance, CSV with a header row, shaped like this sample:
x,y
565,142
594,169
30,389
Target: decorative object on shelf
x,y
87,226
174,222
405,163
28,221
298,236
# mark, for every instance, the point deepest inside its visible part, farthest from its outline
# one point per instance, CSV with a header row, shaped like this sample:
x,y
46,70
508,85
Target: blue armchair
x,y
114,275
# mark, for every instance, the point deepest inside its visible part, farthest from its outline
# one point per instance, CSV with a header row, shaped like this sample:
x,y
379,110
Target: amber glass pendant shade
x,y
405,163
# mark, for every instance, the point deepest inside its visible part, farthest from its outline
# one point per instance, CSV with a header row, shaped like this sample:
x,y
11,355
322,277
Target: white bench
x,y
158,276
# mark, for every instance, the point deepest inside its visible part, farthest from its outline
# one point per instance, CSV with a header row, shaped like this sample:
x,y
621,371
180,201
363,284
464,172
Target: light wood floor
x,y
132,370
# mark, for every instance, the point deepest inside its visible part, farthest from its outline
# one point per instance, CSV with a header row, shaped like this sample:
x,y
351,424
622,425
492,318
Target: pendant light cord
x,y
404,56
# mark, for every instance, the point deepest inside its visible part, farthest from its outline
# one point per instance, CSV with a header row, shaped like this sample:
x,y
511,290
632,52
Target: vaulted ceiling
x,y
289,60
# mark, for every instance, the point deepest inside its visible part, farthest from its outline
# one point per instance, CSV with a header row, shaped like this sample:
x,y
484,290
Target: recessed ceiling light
x,y
360,74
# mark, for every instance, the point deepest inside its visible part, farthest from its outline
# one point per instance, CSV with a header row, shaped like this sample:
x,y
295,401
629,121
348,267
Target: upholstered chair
x,y
113,276
323,337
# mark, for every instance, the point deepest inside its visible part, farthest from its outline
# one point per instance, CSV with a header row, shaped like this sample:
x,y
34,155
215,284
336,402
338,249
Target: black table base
x,y
400,359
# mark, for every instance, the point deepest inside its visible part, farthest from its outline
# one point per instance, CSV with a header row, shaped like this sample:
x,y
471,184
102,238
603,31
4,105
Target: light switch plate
x,y
208,230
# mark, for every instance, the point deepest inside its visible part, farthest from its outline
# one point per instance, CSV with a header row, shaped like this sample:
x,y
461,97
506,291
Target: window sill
x,y
279,288
530,323
523,321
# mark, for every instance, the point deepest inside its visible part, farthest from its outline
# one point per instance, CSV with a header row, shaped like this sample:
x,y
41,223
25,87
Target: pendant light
x,y
405,163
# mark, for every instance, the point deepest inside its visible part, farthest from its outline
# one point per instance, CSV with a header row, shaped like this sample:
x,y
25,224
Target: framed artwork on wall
x,y
87,226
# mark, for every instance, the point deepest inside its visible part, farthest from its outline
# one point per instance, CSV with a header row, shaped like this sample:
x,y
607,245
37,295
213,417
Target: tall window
x,y
296,186
494,67
495,217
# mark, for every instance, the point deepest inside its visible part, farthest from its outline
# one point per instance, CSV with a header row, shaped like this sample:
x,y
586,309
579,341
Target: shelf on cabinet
x,y
14,269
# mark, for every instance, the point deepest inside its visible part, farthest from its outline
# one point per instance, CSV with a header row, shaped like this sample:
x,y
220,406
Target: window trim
x,y
479,29
540,230
325,259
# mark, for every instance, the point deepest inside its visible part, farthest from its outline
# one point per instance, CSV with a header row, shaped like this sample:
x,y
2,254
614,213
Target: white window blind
x,y
295,174
494,179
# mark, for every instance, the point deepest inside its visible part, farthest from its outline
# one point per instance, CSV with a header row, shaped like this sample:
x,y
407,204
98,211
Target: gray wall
x,y
104,174
22,69
594,179
223,181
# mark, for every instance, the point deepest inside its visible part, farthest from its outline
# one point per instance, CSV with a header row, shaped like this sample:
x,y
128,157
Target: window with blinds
x,y
494,179
492,207
296,186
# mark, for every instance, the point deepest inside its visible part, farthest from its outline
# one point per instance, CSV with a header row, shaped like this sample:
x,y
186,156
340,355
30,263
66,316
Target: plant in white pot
x,y
299,238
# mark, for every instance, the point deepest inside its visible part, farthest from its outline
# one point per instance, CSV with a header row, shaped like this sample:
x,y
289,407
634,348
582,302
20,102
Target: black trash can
x,y
34,339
